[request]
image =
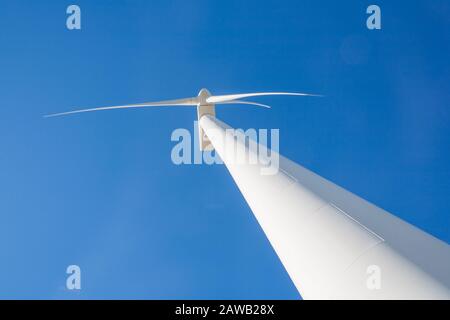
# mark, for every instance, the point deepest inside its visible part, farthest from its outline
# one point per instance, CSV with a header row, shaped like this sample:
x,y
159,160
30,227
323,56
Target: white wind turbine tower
x,y
333,244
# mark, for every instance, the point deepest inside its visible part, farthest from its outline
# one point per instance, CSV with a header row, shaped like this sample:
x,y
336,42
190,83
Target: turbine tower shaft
x,y
330,240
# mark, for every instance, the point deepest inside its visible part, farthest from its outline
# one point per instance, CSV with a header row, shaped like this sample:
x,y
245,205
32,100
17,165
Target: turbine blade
x,y
228,97
167,103
246,102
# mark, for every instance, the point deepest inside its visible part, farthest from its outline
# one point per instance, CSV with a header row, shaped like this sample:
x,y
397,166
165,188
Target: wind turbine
x,y
332,243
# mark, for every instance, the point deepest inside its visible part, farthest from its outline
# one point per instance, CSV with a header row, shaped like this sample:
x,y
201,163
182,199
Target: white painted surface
x,y
327,237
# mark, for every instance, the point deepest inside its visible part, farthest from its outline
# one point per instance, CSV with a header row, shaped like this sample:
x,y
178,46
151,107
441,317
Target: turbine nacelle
x,y
204,108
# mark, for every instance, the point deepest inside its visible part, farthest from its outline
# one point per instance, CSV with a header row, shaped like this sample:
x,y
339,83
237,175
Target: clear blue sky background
x,y
99,190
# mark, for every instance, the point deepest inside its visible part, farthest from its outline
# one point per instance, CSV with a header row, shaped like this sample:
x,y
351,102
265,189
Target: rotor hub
x,y
203,95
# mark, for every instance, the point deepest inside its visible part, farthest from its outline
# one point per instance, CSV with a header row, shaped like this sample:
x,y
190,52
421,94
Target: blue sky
x,y
99,190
